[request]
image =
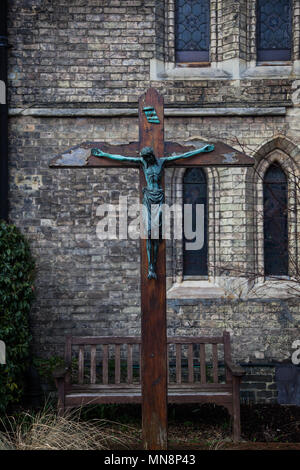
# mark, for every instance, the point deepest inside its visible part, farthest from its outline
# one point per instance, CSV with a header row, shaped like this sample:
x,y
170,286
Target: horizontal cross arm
x,y
175,155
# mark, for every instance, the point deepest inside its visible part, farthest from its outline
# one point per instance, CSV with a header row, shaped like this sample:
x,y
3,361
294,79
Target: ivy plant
x,y
17,270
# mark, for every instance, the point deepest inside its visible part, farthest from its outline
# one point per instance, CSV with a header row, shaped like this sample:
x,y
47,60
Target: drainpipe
x,y
3,113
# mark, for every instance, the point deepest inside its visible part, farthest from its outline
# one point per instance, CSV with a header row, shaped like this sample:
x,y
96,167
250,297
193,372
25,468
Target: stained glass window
x,y
274,30
192,30
275,222
195,192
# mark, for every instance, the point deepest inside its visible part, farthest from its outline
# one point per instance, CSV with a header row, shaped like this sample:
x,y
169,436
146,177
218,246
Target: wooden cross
x,y
153,302
153,292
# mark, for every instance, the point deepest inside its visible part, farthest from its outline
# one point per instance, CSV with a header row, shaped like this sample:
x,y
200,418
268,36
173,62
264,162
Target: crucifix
x,y
153,194
148,155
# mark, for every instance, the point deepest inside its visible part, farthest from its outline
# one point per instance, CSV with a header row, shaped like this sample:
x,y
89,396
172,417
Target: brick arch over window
x,y
174,195
283,152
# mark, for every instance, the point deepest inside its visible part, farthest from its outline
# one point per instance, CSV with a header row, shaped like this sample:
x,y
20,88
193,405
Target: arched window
x,y
192,32
274,30
275,222
195,192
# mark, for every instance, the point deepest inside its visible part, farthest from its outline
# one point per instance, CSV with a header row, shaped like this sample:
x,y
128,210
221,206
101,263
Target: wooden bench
x,y
108,371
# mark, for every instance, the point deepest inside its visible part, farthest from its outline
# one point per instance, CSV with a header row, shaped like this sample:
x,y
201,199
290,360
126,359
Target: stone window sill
x,y
275,288
227,70
195,290
269,71
171,71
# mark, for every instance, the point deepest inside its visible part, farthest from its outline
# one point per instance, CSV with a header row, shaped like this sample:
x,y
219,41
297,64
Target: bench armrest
x,y
235,369
61,372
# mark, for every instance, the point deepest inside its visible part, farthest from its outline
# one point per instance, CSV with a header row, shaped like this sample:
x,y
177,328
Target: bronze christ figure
x,y
153,194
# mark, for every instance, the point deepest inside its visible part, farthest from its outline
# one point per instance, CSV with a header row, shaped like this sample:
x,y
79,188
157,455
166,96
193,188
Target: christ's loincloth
x,y
152,212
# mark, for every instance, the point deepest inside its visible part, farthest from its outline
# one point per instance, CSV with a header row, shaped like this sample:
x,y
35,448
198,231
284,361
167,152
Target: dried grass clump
x,y
47,431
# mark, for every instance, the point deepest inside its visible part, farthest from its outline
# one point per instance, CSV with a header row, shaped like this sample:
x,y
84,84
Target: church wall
x,y
91,54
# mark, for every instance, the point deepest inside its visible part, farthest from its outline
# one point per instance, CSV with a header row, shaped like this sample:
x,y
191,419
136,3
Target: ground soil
x,y
208,427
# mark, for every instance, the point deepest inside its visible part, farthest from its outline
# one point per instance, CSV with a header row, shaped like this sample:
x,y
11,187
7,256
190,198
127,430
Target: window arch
x,y
275,206
274,30
192,30
195,192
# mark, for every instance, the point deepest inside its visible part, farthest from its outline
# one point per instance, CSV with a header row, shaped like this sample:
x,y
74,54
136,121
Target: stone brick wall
x,y
91,54
88,52
258,385
83,283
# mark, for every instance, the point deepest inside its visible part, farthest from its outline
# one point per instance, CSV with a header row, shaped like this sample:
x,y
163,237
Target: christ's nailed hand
x,y
97,153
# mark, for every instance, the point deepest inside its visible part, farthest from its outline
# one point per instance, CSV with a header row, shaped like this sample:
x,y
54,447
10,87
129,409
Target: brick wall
x,y
87,54
99,52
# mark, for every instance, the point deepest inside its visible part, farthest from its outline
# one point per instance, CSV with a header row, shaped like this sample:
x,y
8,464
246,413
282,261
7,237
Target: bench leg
x,y
236,409
61,396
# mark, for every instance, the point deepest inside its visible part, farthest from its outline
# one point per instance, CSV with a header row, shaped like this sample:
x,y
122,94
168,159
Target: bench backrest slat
x,y
227,353
178,363
202,364
81,365
215,362
117,364
129,364
68,350
105,364
93,364
190,364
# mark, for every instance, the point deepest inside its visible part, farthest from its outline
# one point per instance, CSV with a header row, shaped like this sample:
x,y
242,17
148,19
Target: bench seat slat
x,y
85,398
138,392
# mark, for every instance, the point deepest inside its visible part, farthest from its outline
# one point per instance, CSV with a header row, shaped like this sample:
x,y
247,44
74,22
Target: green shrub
x,y
16,295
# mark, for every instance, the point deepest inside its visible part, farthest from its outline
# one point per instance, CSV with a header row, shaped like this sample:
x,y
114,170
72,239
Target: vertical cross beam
x,y
153,300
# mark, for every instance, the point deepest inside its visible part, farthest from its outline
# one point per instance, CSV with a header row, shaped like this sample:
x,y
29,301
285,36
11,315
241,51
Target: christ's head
x,y
147,154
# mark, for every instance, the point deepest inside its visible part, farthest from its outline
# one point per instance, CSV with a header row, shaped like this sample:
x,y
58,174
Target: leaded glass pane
x,y
275,222
192,30
274,30
195,192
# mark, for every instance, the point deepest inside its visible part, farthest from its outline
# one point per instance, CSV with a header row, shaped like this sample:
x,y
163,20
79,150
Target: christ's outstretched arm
x,y
206,148
120,158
